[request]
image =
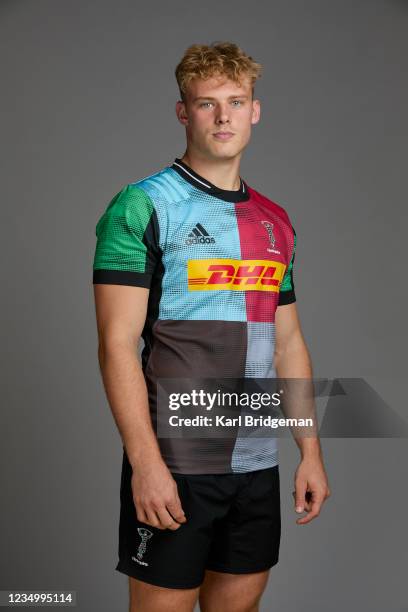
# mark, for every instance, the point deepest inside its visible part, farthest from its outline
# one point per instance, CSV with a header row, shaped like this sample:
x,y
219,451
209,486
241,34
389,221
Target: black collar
x,y
239,195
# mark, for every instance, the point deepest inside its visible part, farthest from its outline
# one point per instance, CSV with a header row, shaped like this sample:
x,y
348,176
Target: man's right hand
x,y
156,498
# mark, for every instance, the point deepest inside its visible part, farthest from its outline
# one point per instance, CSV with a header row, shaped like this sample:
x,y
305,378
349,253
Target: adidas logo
x,y
199,235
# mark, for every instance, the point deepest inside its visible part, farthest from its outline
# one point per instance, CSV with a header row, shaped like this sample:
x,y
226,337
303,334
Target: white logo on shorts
x,y
145,534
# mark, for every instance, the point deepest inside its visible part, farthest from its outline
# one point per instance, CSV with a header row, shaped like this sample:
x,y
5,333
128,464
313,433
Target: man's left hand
x,y
311,488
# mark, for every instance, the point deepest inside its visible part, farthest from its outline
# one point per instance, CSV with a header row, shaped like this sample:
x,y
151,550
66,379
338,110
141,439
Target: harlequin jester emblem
x,y
145,534
269,228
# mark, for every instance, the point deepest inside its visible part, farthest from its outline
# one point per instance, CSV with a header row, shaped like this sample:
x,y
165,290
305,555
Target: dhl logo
x,y
243,275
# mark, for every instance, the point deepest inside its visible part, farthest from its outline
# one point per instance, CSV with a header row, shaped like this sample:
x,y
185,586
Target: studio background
x,y
87,98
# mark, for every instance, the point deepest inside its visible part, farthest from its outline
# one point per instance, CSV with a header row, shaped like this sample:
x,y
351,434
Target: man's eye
x,y
234,102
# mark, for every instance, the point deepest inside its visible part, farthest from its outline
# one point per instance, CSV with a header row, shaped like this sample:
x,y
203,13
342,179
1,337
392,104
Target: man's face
x,y
218,115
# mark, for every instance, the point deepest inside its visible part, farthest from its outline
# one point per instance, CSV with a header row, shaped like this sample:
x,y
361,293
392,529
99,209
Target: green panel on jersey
x,y
120,232
287,282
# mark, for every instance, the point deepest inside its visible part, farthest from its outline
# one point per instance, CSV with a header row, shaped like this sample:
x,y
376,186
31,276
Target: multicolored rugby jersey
x,y
218,263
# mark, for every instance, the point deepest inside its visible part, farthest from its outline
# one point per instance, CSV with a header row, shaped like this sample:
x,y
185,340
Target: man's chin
x,y
226,154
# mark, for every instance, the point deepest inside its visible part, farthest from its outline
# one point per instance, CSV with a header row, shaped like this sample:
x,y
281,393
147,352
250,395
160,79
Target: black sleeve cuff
x,y
286,297
121,277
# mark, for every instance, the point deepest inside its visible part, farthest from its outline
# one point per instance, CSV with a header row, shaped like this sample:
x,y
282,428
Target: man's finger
x,y
141,514
308,506
307,502
300,487
317,501
176,510
152,518
166,520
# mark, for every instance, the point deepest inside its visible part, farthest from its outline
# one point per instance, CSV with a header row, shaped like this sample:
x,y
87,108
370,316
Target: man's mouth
x,y
223,135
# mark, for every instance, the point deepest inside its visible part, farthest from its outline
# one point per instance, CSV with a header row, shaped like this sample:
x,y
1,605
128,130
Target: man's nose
x,y
222,115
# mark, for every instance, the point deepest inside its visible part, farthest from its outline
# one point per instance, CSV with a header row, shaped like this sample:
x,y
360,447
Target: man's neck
x,y
224,173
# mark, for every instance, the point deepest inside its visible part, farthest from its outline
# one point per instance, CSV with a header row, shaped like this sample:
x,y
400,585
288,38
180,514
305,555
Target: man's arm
x,y
292,360
121,313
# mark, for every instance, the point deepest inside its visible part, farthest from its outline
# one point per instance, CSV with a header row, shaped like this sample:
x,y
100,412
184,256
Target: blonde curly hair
x,y
216,59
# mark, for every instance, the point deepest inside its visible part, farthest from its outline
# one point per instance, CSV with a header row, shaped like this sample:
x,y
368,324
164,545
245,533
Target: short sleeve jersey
x,y
218,263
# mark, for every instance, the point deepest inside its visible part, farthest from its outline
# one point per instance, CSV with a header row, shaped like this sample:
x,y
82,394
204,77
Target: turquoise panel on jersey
x,y
193,225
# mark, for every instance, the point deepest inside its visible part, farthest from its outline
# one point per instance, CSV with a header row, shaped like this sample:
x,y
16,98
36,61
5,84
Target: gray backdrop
x,y
87,99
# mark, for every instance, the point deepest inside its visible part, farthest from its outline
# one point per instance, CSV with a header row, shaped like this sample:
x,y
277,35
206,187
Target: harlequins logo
x,y
269,228
145,535
199,235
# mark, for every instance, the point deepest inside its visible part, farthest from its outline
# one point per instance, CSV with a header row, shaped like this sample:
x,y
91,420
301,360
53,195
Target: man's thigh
x,y
221,592
144,597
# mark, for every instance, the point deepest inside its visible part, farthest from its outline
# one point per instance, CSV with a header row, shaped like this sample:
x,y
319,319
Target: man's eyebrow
x,y
229,97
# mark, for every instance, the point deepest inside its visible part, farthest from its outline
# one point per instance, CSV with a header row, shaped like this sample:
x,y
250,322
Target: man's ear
x,y
256,111
181,112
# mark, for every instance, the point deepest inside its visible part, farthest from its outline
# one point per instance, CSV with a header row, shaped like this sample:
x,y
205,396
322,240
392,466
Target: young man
x,y
200,265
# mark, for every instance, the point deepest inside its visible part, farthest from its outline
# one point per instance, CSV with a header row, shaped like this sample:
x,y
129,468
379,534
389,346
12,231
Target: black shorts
x,y
233,525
